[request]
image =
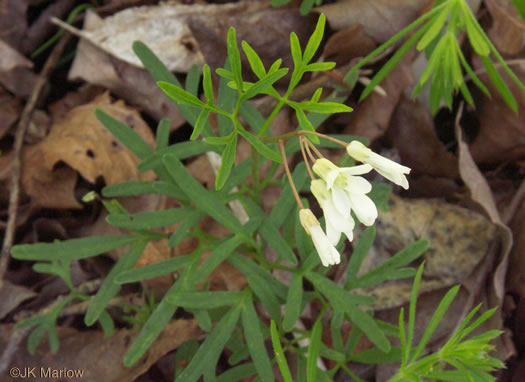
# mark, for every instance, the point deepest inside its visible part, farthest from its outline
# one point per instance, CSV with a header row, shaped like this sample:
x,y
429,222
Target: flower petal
x,y
357,170
325,249
332,232
341,201
358,185
335,218
364,208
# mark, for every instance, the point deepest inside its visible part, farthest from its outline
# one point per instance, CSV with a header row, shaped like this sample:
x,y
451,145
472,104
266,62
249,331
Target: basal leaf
x,y
293,302
151,271
73,249
212,347
255,341
262,148
193,80
127,136
313,352
150,220
109,287
180,95
279,354
205,300
227,162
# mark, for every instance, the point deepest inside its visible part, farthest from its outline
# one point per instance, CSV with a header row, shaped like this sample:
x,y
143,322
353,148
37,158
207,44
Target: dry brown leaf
x,y
10,109
502,132
98,356
459,240
372,117
412,132
381,19
13,21
516,274
133,84
347,44
83,143
11,296
508,29
15,71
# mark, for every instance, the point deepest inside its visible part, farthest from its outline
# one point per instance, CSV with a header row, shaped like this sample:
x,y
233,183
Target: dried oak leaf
x,y
502,132
97,356
81,142
508,28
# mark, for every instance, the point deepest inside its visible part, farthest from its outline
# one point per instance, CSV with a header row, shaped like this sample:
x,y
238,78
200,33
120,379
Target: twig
x,y
18,335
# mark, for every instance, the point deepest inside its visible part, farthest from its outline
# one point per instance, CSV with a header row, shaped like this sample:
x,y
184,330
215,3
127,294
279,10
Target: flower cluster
x,y
340,191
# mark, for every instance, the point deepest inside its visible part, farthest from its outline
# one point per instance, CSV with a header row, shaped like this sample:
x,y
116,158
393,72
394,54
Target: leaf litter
x,y
451,201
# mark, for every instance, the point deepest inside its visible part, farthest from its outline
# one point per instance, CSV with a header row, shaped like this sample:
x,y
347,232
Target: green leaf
x,y
338,296
375,356
313,352
435,27
368,326
358,255
157,321
207,84
219,254
286,202
234,57
204,200
320,67
193,78
184,228
269,300
279,354
200,124
205,300
305,124
306,7
181,150
315,39
293,302
127,136
249,268
180,95
73,249
107,324
500,83
150,220
252,116
403,257
520,5
254,60
151,271
212,347
227,162
238,373
396,59
262,148
412,314
434,321
109,287
476,39
255,341
163,134
296,51
264,84
326,107
136,188
269,232
279,3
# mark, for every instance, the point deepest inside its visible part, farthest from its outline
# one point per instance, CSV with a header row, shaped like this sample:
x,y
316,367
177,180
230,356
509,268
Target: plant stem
x,y
289,175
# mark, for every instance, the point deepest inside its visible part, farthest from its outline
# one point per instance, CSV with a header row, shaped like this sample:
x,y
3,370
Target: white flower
x,y
325,249
389,169
336,223
348,191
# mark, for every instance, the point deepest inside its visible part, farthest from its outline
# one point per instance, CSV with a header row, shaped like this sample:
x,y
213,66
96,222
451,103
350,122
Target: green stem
x,y
255,163
271,117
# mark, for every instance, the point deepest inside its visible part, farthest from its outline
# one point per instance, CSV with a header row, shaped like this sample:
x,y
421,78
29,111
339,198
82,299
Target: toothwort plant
x,y
304,249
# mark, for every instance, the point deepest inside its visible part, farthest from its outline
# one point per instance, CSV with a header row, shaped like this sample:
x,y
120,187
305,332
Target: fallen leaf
x,y
13,24
96,356
516,273
372,118
412,132
508,29
16,71
501,134
10,109
381,19
12,296
347,44
459,240
84,143
132,83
